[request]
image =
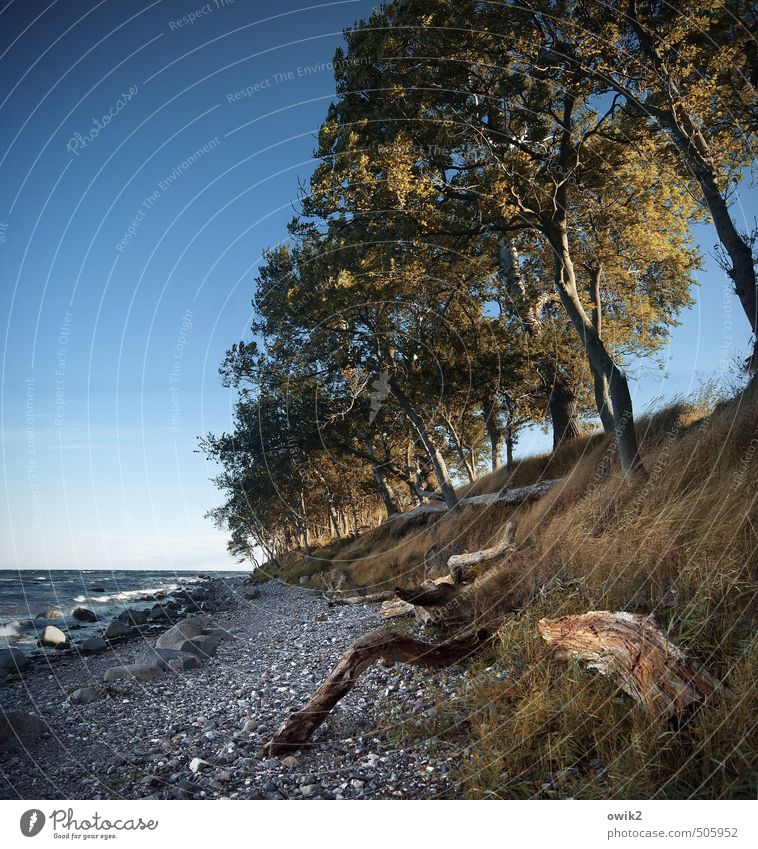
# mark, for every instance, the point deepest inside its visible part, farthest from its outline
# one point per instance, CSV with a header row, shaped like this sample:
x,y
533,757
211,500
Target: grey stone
x,y
133,672
164,657
133,617
50,614
208,644
83,614
185,630
12,660
221,633
159,613
19,729
86,695
92,644
52,636
190,647
116,629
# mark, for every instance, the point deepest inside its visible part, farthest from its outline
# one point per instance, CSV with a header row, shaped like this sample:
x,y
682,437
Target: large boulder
x,y
184,597
133,672
53,637
86,695
116,629
92,644
186,630
12,660
19,729
133,617
83,614
216,631
202,646
161,612
168,659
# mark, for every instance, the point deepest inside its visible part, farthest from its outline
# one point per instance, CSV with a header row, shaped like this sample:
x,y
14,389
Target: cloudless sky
x,y
129,246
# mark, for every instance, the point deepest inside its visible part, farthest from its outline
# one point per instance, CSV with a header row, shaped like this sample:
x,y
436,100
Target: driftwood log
x,y
384,646
458,563
516,496
374,598
629,647
509,497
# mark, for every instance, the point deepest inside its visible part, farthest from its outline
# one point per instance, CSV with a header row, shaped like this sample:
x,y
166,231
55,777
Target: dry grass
x,y
682,547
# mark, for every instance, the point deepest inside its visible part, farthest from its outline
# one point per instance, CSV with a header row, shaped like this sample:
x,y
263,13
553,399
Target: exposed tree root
x,y
384,646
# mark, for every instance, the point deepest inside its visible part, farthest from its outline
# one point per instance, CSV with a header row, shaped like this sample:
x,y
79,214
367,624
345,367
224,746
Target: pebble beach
x,y
198,732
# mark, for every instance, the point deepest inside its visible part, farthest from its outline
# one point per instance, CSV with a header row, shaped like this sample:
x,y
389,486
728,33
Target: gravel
x,y
199,733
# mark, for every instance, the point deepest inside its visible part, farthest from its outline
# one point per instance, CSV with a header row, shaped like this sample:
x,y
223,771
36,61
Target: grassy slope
x,y
683,547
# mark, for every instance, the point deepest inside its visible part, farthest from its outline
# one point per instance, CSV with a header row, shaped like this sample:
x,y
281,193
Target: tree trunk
x,y
601,385
563,412
697,156
495,431
599,358
460,448
382,484
304,527
435,456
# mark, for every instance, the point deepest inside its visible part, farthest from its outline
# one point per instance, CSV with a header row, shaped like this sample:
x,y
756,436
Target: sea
x,y
26,594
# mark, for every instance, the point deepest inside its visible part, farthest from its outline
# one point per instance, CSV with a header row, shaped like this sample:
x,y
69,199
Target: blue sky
x,y
128,248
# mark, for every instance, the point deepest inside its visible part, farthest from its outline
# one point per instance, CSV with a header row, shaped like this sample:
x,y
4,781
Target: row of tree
x,y
498,223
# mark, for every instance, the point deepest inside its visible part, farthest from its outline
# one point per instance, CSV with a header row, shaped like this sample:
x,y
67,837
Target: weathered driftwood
x,y
374,598
422,509
650,668
516,496
395,607
428,595
508,497
458,563
384,646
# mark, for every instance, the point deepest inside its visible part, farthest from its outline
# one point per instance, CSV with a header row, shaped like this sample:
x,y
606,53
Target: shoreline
x,y
199,733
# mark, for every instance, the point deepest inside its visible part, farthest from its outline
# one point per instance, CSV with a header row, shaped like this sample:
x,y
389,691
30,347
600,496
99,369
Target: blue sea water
x,y
25,594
